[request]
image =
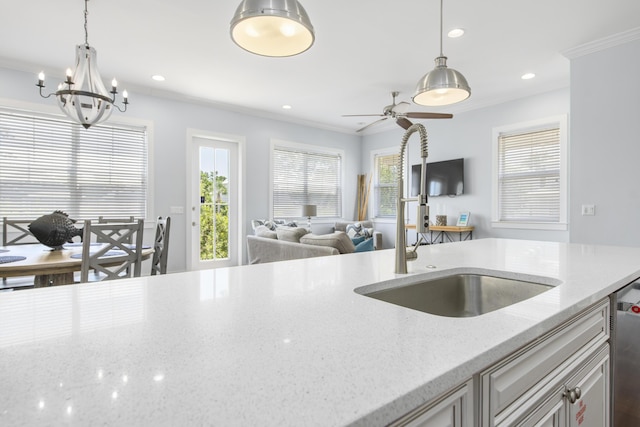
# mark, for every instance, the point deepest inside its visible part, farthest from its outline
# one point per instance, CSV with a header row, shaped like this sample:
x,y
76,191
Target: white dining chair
x,y
115,257
161,246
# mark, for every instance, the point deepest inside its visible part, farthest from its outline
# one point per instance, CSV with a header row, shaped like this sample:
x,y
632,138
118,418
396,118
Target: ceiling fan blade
x,y
417,115
363,115
371,124
404,123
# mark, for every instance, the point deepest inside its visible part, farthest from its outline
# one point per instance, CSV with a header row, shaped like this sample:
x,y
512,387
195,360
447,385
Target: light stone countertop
x,y
281,344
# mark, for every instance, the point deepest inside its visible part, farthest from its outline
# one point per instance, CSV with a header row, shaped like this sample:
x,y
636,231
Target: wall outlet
x,y
178,210
589,210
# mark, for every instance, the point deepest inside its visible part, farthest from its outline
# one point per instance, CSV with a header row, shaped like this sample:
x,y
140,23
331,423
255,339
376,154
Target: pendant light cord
x,y
86,31
441,53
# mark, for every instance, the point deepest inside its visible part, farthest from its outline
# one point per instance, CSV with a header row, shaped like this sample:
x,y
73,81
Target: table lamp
x,y
309,211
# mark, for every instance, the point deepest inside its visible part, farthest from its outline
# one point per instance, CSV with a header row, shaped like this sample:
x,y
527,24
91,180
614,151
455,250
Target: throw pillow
x,y
291,234
338,240
357,240
357,229
263,231
365,246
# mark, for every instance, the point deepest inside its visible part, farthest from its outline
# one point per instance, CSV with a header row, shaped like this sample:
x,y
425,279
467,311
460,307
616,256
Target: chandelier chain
x,y
86,31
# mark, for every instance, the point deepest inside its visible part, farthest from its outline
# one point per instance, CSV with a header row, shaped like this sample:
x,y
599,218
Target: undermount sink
x,y
457,295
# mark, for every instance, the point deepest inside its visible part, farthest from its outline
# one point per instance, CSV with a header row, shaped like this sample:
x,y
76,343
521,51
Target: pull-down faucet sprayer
x,y
422,218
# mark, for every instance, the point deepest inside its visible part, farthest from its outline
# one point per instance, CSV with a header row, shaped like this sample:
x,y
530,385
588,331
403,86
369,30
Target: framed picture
x,y
463,219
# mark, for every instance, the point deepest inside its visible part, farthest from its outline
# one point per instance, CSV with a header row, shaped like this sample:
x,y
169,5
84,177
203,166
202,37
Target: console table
x,y
464,233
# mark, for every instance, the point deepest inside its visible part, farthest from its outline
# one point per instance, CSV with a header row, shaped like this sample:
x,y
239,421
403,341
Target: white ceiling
x,y
364,49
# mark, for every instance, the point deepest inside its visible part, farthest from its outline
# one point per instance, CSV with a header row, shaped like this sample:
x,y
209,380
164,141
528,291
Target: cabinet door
x,y
592,409
454,410
550,414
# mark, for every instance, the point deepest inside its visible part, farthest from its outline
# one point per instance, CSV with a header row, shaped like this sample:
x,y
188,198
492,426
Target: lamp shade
x,y
441,86
309,210
272,27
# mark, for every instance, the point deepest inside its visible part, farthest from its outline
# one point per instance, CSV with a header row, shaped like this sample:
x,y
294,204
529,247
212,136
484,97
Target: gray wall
x,y
605,146
172,118
469,135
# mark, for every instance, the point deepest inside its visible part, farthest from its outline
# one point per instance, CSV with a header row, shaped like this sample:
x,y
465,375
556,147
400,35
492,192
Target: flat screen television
x,y
444,178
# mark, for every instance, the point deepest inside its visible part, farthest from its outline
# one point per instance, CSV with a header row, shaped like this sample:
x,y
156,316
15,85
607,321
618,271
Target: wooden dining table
x,y
50,267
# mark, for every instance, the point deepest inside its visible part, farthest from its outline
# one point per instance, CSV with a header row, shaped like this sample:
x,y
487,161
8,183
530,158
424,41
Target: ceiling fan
x,y
400,113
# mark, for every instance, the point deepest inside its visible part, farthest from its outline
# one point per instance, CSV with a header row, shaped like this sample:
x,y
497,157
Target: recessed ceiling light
x,y
158,78
527,76
456,32
286,107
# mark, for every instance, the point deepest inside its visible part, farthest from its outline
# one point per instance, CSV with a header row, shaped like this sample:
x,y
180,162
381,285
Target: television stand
x,y
443,231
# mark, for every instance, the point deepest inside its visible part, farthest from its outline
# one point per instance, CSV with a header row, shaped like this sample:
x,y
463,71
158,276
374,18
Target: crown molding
x,y
603,43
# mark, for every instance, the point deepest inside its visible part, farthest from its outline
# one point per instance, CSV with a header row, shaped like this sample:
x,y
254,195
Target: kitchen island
x,y
278,344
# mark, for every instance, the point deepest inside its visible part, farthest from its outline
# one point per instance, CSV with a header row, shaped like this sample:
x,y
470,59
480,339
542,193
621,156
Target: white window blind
x,y
529,171
386,185
303,177
48,163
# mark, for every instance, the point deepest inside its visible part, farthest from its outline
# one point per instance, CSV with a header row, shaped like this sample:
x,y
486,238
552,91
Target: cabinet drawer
x,y
518,380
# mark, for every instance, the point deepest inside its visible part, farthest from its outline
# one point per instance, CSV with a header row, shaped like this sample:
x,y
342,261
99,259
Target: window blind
x,y
529,176
386,185
303,177
48,163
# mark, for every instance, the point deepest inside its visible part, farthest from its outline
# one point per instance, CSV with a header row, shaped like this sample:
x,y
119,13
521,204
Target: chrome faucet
x,y
422,219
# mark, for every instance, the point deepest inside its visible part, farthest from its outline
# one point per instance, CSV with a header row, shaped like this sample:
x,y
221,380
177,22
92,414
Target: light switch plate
x,y
178,210
589,210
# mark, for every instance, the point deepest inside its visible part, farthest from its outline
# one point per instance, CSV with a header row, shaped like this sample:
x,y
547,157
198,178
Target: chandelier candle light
x,y
83,96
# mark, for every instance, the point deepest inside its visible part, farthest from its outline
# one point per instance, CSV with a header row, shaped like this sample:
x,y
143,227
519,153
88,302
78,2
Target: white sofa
x,y
286,243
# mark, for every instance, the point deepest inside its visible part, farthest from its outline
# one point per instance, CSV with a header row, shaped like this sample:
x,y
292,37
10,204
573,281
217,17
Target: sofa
x,y
279,242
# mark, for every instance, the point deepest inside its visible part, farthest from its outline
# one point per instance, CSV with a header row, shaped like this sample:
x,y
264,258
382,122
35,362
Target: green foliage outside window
x,y
214,217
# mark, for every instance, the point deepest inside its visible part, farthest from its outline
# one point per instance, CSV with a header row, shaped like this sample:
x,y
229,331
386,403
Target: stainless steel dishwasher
x,y
626,356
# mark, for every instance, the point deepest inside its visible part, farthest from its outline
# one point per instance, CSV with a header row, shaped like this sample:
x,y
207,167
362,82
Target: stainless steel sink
x,y
458,295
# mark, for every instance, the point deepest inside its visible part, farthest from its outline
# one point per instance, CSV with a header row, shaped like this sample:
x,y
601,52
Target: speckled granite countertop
x,y
276,344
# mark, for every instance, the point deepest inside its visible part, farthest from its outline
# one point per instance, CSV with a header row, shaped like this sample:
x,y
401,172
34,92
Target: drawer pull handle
x,y
573,395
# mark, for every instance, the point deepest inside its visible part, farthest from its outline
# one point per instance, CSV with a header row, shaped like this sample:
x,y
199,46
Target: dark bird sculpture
x,y
54,229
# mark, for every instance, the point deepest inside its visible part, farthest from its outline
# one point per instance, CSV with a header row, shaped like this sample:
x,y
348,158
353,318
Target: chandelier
x,y
82,96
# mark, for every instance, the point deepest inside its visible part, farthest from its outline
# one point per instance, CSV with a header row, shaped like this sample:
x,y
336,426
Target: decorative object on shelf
x,y
463,219
441,220
309,211
274,28
83,96
55,229
364,189
442,85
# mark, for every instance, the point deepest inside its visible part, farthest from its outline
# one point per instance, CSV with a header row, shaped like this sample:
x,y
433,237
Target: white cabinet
x,y
455,409
561,379
563,406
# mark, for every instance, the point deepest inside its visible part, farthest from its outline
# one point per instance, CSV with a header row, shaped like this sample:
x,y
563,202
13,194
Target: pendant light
x,y
272,27
83,96
442,85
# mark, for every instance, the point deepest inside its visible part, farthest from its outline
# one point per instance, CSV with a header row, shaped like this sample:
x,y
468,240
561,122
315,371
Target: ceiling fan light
x,y
275,28
441,86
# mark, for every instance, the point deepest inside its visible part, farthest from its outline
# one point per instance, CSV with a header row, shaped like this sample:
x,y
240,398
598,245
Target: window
x,y
48,163
385,184
305,175
530,175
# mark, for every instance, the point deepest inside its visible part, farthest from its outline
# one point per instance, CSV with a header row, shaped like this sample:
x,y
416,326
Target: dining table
x,y
50,267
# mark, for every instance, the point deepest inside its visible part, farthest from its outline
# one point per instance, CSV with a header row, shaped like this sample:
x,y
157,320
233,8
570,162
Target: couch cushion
x,y
338,240
291,234
264,231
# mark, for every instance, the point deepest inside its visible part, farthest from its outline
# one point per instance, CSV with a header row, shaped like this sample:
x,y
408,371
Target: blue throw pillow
x,y
365,246
357,240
